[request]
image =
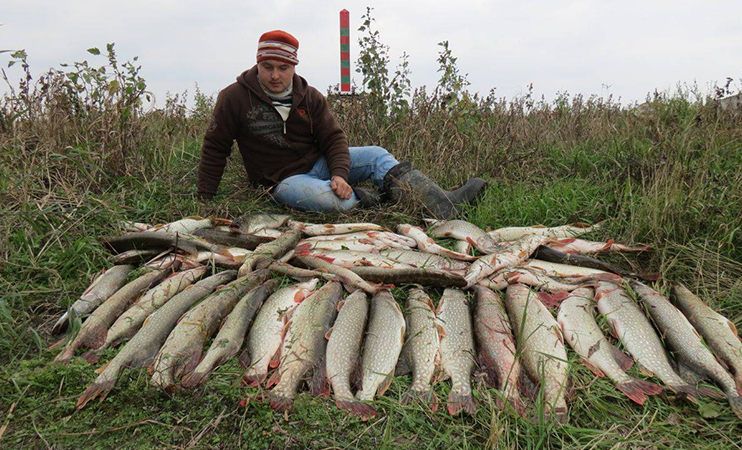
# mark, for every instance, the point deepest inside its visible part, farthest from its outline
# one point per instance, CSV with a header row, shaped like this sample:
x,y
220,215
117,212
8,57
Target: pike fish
x,y
344,352
266,335
92,334
350,259
132,319
497,355
511,256
186,225
105,284
252,223
358,245
143,347
686,344
134,256
561,270
231,239
384,340
548,254
228,341
465,231
387,237
346,276
457,349
562,232
420,350
311,229
182,350
146,240
633,329
719,332
266,253
403,275
581,246
584,336
541,345
303,350
424,260
428,245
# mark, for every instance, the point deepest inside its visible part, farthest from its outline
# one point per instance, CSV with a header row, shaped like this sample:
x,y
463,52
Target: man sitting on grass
x,y
291,143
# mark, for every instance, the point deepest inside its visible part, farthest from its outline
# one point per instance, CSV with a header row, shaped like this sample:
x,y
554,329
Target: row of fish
x,y
283,336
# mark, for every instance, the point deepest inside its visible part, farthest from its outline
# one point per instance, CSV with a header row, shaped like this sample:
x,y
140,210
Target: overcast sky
x,y
626,48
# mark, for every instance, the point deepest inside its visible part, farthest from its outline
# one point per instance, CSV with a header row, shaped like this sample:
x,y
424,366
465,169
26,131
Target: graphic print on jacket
x,y
264,122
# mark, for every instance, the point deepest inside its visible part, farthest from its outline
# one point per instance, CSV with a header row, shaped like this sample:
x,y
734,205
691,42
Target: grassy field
x,y
72,167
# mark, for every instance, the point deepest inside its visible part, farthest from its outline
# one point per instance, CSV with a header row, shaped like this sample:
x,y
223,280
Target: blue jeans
x,y
311,191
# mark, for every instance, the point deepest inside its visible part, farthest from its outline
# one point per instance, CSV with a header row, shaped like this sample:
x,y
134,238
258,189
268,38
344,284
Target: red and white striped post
x,y
344,52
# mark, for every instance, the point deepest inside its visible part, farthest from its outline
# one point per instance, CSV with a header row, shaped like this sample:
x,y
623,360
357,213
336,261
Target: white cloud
x,y
577,46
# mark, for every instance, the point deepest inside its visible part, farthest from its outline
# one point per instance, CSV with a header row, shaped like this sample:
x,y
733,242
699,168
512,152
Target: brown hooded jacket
x,y
271,148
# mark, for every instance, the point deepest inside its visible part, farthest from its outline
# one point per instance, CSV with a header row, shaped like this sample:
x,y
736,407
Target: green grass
x,y
671,180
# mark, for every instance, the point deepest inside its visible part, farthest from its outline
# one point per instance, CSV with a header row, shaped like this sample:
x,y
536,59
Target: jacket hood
x,y
249,79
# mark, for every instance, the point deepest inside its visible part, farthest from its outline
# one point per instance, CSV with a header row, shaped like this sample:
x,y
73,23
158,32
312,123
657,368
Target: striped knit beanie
x,y
278,45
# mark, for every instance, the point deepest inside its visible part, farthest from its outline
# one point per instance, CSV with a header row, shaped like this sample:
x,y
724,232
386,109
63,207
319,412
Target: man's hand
x,y
341,188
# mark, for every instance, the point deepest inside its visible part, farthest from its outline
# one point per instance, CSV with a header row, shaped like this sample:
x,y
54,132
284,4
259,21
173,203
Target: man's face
x,y
275,75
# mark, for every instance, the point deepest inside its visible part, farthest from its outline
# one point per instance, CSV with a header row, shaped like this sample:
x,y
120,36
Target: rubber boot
x,y
367,197
441,204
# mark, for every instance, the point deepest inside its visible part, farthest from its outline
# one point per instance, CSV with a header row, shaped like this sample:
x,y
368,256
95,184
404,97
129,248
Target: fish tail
x,y
559,414
66,354
279,403
692,393
91,356
253,380
426,396
513,396
637,390
194,378
736,403
97,388
360,409
458,402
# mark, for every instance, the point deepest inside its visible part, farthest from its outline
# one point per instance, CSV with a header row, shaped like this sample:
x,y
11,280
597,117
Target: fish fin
x,y
58,343
329,333
279,403
95,389
732,327
441,331
357,407
274,379
91,357
738,382
253,380
597,372
688,374
637,390
692,393
736,403
527,386
458,402
402,367
426,396
244,359
384,386
624,361
320,384
100,369
646,371
276,359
